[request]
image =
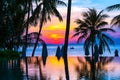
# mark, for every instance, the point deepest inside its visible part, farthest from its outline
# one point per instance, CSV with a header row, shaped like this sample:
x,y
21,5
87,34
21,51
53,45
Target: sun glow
x,y
56,36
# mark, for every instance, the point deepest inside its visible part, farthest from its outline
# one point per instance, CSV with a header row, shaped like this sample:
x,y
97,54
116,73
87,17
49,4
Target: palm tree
x,y
47,8
116,19
28,4
66,39
91,28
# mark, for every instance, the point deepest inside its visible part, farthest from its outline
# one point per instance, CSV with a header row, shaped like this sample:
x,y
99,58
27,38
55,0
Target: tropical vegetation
x,y
116,19
92,29
17,16
44,11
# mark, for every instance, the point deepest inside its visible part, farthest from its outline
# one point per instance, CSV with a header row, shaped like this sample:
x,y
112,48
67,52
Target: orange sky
x,y
53,32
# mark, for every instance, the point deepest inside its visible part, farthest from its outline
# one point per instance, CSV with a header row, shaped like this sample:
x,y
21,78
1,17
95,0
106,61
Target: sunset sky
x,y
53,32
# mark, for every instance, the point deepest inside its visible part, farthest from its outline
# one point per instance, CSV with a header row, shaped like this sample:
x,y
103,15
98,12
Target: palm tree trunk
x,y
41,24
66,39
26,39
93,64
40,70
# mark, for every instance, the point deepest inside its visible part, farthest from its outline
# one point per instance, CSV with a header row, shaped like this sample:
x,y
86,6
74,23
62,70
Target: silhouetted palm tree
x,y
65,47
92,29
116,19
42,77
45,10
28,4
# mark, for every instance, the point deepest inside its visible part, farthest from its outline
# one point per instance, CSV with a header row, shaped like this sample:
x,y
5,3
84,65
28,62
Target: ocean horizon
x,y
73,50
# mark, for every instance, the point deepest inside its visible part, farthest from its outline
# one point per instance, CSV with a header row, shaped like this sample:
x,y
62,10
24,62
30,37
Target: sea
x,y
79,66
73,50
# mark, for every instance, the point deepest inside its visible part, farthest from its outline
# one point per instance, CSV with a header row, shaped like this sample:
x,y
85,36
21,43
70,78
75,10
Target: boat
x,y
71,47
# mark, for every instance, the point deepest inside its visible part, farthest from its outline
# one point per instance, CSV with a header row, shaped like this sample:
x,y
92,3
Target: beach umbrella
x,y
116,53
96,53
44,54
87,51
61,51
58,53
100,49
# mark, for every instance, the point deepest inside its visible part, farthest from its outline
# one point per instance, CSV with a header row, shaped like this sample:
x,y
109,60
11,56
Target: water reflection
x,y
10,70
81,68
93,71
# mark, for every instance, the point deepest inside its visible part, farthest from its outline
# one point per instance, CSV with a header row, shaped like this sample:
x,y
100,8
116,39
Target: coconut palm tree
x,y
116,19
91,28
45,10
65,47
28,4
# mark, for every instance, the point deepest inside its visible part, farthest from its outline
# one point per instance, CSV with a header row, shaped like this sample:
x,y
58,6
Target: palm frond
x,y
35,15
76,34
77,29
85,14
101,18
108,39
116,21
42,41
101,43
101,24
56,13
78,21
113,7
81,37
100,13
87,22
106,44
61,3
106,29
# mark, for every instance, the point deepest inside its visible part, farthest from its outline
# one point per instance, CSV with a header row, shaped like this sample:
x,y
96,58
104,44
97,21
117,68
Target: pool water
x,y
80,68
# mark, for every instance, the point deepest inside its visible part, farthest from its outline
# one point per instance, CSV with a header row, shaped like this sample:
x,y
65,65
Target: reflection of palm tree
x,y
92,29
116,19
16,68
42,77
99,68
10,69
48,9
104,61
26,65
82,71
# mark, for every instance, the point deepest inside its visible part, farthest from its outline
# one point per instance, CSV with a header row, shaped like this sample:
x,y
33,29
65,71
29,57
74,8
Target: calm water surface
x,y
77,51
32,68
